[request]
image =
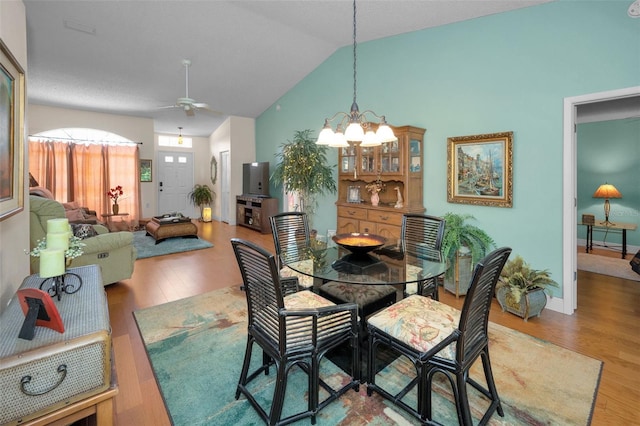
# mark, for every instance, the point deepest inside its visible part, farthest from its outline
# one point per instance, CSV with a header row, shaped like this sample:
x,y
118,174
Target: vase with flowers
x,y
374,188
114,194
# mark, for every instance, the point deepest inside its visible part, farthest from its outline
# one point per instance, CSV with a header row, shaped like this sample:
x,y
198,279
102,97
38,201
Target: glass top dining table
x,y
386,265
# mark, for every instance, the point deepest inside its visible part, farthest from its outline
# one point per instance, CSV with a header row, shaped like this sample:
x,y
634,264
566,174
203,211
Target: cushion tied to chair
x,y
430,323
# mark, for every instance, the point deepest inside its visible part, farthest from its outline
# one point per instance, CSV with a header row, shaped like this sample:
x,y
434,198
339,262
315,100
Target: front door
x,y
175,181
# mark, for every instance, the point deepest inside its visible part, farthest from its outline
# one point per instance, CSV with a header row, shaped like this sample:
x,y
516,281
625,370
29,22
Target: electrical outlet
x,y
103,255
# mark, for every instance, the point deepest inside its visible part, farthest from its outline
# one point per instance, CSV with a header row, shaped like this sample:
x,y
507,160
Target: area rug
x,y
196,346
604,265
146,246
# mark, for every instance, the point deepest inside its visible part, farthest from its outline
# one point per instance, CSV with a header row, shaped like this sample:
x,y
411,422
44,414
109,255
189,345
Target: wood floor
x,y
606,325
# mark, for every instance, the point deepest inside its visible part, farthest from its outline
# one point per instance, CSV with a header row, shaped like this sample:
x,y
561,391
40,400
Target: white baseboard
x,y
609,246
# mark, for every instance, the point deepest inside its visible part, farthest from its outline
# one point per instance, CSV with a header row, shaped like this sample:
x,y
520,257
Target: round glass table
x,y
386,265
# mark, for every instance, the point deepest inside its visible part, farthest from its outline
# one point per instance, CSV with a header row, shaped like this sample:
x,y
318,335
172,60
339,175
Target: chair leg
x,y
488,374
245,366
278,393
462,399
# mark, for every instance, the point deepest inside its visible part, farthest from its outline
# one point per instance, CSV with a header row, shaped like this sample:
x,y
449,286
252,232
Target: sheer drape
x,y
85,172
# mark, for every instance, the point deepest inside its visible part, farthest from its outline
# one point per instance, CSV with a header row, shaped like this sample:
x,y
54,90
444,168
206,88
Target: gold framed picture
x,y
480,169
12,104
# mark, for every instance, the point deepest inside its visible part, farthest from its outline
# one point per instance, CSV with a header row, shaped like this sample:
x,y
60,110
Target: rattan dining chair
x,y
422,235
291,235
293,331
437,338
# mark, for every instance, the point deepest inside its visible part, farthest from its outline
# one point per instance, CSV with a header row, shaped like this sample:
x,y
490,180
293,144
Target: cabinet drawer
x,y
352,212
385,217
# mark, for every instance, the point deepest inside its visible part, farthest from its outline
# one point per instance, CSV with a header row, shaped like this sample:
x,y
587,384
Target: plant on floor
x,y
201,196
303,169
461,235
519,278
521,289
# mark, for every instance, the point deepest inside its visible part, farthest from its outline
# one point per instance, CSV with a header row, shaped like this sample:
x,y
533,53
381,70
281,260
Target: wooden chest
x,y
54,369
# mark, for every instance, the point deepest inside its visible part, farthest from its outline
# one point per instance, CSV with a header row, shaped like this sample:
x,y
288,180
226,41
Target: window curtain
x,y
85,172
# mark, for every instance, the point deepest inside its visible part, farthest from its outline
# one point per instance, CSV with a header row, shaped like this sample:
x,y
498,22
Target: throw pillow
x,y
71,205
83,230
74,215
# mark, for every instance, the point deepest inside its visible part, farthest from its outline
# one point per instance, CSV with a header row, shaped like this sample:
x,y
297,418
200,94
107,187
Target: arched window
x,y
81,165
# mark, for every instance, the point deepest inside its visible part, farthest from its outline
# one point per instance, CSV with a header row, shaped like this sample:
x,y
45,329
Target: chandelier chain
x,y
354,51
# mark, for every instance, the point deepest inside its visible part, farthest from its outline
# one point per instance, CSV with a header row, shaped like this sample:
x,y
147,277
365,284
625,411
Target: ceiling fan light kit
x,y
634,9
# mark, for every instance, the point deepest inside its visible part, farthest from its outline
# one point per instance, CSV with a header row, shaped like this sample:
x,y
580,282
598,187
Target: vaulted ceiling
x,y
125,57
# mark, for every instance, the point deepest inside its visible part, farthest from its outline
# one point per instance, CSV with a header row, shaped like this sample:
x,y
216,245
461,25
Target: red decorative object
x,y
39,310
115,193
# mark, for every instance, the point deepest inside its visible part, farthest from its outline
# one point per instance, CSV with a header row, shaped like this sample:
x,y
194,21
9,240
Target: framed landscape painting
x,y
11,134
480,169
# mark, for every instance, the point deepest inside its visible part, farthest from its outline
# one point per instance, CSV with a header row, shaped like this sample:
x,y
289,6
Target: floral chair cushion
x,y
420,322
361,294
304,281
299,329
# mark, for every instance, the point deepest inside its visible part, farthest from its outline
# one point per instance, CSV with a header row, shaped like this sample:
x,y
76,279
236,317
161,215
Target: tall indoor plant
x,y
303,169
463,246
200,196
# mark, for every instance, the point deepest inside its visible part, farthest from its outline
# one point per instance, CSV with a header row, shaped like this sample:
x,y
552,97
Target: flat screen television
x,y
255,179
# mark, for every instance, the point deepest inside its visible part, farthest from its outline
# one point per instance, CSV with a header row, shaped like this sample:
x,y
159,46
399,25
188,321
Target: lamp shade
x,y
206,214
607,190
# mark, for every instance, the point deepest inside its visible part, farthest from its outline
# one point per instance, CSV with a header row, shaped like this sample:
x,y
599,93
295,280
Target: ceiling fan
x,y
187,104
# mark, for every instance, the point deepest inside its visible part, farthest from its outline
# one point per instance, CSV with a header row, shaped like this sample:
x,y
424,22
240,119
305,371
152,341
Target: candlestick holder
x,y
66,283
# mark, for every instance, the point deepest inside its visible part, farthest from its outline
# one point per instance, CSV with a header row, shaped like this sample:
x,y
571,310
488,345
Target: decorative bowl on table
x,y
358,243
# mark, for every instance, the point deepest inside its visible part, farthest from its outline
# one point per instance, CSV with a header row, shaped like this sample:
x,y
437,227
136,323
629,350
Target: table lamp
x,y
206,214
607,191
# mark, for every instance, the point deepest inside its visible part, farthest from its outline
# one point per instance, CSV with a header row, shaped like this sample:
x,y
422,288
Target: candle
x,y
58,225
58,240
51,263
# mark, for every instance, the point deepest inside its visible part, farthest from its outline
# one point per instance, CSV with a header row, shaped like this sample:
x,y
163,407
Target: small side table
x,y
113,226
614,228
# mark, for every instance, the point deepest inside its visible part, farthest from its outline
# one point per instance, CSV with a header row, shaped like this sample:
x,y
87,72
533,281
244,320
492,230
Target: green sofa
x,y
113,252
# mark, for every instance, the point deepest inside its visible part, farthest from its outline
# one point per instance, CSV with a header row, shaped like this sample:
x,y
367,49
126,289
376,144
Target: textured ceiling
x,y
125,57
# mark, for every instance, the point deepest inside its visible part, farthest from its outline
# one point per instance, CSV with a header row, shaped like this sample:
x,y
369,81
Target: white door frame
x,y
569,190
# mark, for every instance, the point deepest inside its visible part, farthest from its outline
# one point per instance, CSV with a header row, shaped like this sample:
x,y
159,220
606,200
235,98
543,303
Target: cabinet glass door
x,y
415,156
367,156
348,159
390,157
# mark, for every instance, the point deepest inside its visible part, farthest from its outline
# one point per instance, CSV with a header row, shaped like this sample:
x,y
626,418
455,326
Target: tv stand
x,y
253,212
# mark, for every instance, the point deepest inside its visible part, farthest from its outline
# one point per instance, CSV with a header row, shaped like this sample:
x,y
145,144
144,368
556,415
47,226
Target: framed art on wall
x,y
145,171
480,169
11,134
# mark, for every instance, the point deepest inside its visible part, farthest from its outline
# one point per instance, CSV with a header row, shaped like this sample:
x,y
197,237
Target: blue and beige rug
x,y
196,346
146,246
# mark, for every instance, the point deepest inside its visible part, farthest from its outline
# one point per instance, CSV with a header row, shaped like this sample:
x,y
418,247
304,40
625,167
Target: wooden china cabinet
x,y
398,165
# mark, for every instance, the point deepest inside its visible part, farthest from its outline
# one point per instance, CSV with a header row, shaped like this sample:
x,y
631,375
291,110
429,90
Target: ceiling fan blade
x,y
207,108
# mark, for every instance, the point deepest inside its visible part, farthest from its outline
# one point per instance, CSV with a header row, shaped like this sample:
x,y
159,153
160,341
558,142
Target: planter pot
x,y
531,303
458,281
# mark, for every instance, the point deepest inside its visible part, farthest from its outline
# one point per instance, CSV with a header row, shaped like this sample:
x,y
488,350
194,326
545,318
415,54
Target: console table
x,y
111,224
614,228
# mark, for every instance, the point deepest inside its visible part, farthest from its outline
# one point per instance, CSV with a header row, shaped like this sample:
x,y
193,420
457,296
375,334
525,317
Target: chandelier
x,y
353,127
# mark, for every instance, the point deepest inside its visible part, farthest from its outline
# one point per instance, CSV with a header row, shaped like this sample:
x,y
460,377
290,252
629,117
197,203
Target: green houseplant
x,y
303,169
522,289
463,245
200,196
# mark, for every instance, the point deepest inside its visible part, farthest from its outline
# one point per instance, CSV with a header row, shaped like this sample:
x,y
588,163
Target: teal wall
x,y
505,72
609,151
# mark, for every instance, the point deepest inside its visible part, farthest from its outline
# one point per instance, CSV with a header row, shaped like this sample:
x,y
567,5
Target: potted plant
x,y
200,196
463,245
522,289
303,169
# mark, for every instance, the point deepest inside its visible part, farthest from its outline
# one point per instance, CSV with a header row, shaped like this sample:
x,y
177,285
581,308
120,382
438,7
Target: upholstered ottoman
x,y
163,227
